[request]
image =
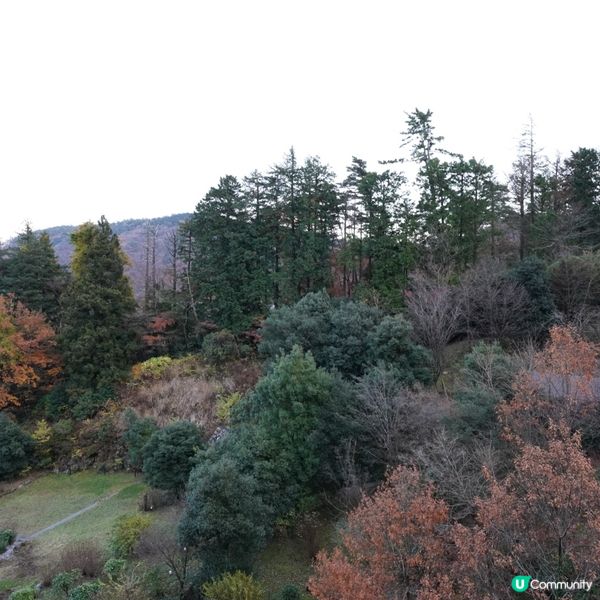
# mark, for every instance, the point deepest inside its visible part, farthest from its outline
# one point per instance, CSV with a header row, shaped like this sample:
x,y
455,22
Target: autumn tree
x,y
560,388
390,543
28,353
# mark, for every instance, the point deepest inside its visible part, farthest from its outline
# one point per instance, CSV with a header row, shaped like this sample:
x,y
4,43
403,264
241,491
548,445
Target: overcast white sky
x,y
134,109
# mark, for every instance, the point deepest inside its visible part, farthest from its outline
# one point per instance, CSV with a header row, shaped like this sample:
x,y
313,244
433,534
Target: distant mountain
x,y
133,235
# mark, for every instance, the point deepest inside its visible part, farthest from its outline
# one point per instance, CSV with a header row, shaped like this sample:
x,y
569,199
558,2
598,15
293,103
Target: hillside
x,y
133,234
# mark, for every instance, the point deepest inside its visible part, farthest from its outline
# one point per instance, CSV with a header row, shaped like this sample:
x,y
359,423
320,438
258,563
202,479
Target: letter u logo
x,y
520,583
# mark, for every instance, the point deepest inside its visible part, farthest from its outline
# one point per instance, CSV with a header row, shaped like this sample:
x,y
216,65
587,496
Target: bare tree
x,y
393,418
457,470
159,543
495,306
435,311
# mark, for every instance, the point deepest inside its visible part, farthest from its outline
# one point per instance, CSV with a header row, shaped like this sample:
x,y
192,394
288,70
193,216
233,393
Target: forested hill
x,y
135,235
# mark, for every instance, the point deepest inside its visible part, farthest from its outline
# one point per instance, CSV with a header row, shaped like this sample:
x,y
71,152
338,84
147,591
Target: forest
x,y
384,385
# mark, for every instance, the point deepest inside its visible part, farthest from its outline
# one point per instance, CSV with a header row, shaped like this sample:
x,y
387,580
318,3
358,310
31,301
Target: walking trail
x,y
21,539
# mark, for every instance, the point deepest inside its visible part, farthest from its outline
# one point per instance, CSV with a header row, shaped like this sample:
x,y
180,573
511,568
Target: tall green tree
x,y
226,271
96,337
31,272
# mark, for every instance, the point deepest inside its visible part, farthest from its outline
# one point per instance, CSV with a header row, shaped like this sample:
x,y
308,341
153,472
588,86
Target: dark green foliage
x,y
137,434
226,517
344,335
283,414
531,273
575,282
87,403
16,448
390,343
56,403
7,537
31,271
169,456
227,273
96,336
485,379
64,582
220,347
289,592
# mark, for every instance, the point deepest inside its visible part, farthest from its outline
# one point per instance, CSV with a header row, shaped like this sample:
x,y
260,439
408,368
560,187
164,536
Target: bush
x,y
137,434
84,556
113,568
390,343
85,591
169,456
7,537
234,586
220,347
89,402
63,583
289,592
126,534
224,405
27,593
154,499
153,368
225,516
16,448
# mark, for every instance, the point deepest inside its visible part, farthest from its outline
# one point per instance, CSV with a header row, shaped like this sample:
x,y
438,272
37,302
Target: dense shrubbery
x,y
344,335
16,448
126,534
234,586
169,455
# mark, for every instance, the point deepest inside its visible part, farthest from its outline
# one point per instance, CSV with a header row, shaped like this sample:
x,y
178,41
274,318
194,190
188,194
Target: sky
x,y
135,109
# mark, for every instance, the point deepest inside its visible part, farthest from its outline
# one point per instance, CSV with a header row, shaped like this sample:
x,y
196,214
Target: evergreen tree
x,y
31,272
96,337
226,272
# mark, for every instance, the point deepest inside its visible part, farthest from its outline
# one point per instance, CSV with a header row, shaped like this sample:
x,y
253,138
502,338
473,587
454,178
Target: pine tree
x,y
32,273
96,337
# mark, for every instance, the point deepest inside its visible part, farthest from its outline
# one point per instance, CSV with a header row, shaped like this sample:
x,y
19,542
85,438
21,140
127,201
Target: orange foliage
x,y
28,355
559,388
390,542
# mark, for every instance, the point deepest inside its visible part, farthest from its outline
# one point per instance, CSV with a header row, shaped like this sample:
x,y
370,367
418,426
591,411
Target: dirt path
x,y
21,539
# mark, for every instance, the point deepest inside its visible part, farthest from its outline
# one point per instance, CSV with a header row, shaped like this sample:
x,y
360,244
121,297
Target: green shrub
x,y
27,593
289,592
220,347
89,402
225,404
153,368
64,582
234,586
16,448
85,591
113,568
126,533
7,537
169,456
137,434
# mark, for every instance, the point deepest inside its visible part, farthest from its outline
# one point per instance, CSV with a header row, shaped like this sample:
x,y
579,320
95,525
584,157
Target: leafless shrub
x,y
393,417
154,499
159,545
457,470
353,479
435,310
84,556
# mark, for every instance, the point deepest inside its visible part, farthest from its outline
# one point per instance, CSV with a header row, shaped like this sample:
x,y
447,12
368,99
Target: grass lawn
x,y
54,497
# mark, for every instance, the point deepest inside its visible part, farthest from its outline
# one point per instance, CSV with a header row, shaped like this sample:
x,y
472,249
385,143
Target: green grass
x,y
286,560
54,497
